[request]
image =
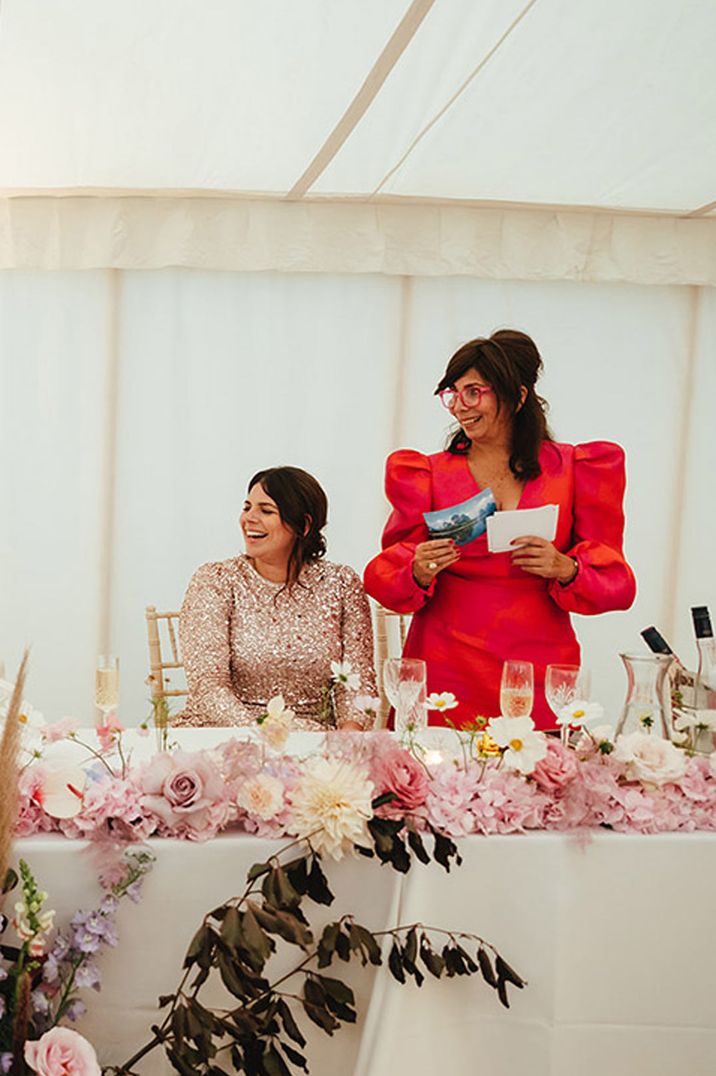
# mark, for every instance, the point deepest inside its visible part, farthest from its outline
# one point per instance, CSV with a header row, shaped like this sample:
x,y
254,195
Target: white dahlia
x,y
332,803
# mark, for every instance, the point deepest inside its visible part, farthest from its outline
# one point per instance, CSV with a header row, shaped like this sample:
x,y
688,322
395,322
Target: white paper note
x,y
504,527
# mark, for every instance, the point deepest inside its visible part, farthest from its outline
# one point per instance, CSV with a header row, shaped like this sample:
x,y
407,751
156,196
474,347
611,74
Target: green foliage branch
x,y
260,1034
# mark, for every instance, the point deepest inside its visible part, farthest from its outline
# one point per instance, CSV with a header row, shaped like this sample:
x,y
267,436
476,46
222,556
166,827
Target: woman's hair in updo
x,y
507,361
303,506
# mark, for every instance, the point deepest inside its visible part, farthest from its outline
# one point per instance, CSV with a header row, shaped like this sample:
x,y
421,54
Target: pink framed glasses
x,y
470,396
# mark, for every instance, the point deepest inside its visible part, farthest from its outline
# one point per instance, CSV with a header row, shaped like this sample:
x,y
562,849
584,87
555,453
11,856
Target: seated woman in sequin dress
x,y
273,620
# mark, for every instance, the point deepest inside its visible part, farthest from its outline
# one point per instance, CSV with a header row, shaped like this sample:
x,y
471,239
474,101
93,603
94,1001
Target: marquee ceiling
x,y
606,104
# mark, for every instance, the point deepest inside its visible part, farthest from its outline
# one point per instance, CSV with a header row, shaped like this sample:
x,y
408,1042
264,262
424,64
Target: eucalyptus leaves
x,y
260,1034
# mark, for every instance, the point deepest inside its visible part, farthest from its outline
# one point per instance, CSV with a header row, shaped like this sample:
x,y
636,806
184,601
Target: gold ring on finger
x,y
432,565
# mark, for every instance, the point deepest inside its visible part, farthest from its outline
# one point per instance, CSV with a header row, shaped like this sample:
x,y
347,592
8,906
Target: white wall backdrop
x,y
134,406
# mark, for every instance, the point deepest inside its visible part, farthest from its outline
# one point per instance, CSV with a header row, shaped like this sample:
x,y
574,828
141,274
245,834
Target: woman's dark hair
x,y
508,361
303,506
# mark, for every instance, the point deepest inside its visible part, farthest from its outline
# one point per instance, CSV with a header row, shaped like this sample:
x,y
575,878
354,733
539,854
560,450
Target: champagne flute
x,y
517,689
106,684
404,680
563,685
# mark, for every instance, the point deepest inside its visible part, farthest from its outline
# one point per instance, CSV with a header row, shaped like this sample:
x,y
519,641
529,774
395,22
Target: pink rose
x,y
557,769
186,792
396,771
62,1052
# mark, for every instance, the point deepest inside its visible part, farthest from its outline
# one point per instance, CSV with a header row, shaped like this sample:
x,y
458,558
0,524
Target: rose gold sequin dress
x,y
244,640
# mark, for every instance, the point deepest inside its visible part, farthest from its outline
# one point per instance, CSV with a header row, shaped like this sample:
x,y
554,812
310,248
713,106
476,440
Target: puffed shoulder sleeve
x,y
389,576
604,580
204,635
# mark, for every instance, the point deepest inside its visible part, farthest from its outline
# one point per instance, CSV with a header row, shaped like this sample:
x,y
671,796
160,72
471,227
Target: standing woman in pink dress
x,y
474,609
279,618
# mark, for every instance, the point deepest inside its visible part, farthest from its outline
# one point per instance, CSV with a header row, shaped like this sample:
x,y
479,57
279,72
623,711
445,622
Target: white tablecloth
x,y
616,935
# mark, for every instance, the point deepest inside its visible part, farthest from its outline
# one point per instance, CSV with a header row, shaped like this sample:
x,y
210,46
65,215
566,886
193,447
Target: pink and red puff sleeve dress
x,y
482,610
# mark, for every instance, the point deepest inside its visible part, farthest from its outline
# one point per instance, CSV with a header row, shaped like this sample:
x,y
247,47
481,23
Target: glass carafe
x,y
647,707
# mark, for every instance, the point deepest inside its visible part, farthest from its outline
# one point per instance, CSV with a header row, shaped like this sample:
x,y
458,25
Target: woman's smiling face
x,y
266,535
479,412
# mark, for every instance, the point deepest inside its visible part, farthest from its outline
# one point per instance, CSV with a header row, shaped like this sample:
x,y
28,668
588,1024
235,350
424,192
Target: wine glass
x,y
563,684
517,689
106,684
404,680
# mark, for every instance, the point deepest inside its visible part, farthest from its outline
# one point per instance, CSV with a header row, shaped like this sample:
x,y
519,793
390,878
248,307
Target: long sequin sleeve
x,y
204,633
356,646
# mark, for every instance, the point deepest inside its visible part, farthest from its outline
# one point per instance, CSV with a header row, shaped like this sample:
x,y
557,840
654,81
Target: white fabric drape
x,y
220,374
494,243
621,968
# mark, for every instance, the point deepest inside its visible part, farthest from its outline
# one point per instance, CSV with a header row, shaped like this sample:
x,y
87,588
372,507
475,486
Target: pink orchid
x,y
107,729
60,730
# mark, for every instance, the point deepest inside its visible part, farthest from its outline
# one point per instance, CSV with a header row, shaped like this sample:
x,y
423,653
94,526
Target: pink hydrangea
x,y
507,803
239,759
699,783
110,800
449,799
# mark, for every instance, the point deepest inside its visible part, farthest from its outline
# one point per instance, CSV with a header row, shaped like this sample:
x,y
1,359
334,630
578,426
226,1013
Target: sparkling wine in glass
x,y
563,685
517,689
106,684
404,680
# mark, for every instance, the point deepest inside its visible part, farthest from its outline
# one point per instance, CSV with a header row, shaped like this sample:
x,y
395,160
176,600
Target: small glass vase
x,y
647,707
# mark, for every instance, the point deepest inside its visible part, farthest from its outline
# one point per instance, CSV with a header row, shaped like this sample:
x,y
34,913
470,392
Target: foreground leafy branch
x,y
260,1035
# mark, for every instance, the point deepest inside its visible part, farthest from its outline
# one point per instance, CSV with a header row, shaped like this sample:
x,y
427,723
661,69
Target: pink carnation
x,y
186,793
397,771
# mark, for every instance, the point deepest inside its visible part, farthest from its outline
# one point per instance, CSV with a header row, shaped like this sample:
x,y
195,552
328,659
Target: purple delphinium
x,y
75,1010
69,965
5,1062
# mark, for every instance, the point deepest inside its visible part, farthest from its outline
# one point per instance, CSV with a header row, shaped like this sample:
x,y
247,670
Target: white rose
x,y
649,759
